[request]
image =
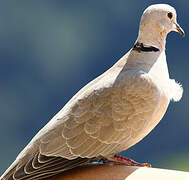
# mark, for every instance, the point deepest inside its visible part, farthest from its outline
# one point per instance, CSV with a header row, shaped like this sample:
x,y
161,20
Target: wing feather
x,y
110,115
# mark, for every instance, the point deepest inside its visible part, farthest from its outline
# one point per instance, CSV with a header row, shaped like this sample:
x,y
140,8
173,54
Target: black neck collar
x,y
140,47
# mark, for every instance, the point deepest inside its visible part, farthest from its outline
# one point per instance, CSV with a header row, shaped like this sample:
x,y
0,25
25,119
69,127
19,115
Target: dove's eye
x,y
170,15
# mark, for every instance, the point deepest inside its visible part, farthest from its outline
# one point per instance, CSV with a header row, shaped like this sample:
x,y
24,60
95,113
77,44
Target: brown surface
x,y
120,172
96,173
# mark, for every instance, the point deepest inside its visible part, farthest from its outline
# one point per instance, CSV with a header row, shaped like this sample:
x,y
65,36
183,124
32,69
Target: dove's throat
x,y
153,63
152,37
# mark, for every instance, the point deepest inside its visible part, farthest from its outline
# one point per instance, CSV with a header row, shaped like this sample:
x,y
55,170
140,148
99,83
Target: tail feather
x,y
37,170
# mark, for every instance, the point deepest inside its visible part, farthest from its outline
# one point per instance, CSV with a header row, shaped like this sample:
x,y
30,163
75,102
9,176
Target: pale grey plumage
x,y
110,114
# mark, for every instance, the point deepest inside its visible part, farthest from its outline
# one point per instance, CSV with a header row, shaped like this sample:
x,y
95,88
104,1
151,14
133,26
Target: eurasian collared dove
x,y
111,113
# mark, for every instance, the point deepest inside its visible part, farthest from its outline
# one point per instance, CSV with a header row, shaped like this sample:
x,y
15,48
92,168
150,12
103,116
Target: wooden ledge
x,y
121,172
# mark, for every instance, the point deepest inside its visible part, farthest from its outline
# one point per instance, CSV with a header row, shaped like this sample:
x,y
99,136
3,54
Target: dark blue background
x,y
50,49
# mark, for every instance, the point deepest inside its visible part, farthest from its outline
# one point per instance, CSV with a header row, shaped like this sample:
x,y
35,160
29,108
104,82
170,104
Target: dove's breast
x,y
156,116
144,102
146,77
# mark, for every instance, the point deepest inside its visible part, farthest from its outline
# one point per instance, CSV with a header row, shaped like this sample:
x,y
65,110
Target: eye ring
x,y
170,15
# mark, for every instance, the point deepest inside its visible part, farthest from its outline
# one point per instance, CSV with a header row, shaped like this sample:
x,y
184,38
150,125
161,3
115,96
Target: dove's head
x,y
156,22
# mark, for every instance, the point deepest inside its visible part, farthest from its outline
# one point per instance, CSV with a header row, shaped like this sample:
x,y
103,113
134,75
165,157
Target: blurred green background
x,y
50,49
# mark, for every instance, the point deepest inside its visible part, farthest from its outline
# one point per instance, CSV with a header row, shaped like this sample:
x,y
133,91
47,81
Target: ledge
x,y
120,172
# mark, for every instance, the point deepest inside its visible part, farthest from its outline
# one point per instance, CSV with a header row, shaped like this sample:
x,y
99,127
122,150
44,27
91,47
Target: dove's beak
x,y
178,29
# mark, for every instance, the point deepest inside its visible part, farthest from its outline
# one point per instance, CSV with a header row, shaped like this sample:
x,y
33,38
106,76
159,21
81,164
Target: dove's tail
x,y
7,174
42,167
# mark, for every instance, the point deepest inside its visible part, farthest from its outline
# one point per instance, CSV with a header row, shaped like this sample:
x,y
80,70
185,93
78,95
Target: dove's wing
x,y
99,122
106,115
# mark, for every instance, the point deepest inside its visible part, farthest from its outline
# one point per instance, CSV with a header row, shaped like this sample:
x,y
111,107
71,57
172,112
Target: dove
x,y
111,113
